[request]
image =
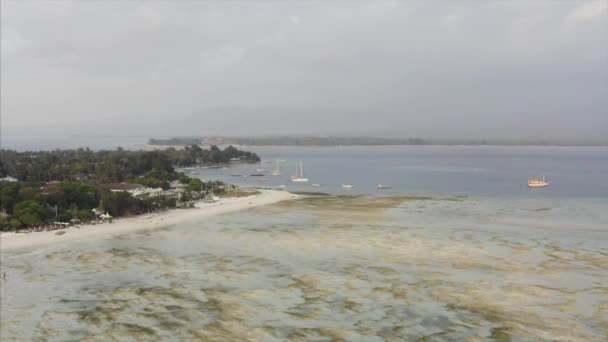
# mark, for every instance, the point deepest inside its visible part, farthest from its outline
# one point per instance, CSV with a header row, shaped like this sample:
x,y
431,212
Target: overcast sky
x,y
482,69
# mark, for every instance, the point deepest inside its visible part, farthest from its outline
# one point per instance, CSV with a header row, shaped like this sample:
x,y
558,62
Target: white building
x,y
146,192
8,179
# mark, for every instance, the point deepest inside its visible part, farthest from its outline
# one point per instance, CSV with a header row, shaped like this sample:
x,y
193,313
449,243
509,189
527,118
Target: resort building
x,y
137,190
8,179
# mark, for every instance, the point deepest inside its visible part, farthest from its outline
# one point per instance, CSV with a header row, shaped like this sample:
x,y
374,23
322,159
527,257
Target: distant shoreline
x,y
404,145
362,140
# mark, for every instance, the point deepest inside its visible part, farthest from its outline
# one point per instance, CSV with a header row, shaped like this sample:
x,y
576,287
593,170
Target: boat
x,y
277,171
380,186
347,186
262,179
257,175
260,170
316,185
236,175
537,183
244,176
299,177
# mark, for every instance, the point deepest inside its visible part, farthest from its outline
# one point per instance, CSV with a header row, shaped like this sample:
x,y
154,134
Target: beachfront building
x,y
8,179
119,187
105,216
145,191
49,187
137,190
98,211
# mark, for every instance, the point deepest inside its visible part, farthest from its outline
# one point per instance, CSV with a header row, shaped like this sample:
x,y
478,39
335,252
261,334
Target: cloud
x,y
414,66
294,19
588,11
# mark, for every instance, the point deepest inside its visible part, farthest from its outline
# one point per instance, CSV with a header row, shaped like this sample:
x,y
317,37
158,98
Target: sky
x,y
434,69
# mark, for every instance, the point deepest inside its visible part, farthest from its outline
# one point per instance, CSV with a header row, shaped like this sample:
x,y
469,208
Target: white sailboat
x,y
537,183
299,177
277,171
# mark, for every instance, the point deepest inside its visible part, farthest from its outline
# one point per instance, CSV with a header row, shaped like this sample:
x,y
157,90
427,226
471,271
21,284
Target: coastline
x,y
11,240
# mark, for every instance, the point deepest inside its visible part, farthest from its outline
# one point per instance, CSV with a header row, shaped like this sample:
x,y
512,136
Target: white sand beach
x,y
9,241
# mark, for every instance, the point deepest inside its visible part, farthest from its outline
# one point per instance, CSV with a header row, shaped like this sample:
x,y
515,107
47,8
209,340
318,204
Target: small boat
x,y
244,176
61,232
277,170
299,177
347,186
281,186
236,175
257,175
537,183
262,179
380,186
260,170
316,185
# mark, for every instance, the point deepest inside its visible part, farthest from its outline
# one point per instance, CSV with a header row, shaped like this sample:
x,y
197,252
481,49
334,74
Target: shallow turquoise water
x,y
476,268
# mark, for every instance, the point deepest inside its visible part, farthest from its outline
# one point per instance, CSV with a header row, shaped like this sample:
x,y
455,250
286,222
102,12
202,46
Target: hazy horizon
x,y
528,70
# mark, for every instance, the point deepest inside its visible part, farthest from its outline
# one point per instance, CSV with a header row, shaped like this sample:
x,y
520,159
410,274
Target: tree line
x,y
79,173
150,168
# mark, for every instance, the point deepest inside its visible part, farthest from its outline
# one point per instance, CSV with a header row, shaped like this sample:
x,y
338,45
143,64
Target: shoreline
x,y
390,145
12,240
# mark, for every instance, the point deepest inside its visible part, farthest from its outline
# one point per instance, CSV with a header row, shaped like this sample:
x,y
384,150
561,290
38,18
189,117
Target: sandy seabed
x,y
325,269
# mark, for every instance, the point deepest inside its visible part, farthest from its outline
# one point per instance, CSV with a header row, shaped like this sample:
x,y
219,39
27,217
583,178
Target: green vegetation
x,y
192,155
237,192
151,168
66,185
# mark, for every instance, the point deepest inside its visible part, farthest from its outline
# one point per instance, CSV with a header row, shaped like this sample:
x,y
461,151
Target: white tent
x,y
105,216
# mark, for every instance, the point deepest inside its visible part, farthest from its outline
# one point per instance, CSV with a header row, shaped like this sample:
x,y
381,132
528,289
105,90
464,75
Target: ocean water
x,y
432,170
434,259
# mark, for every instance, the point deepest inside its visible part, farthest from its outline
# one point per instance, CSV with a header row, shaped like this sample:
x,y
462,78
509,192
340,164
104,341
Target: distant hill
x,y
287,141
350,141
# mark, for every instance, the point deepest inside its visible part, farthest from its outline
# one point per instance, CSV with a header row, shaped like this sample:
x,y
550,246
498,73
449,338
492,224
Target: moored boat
x,y
299,177
277,170
537,183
